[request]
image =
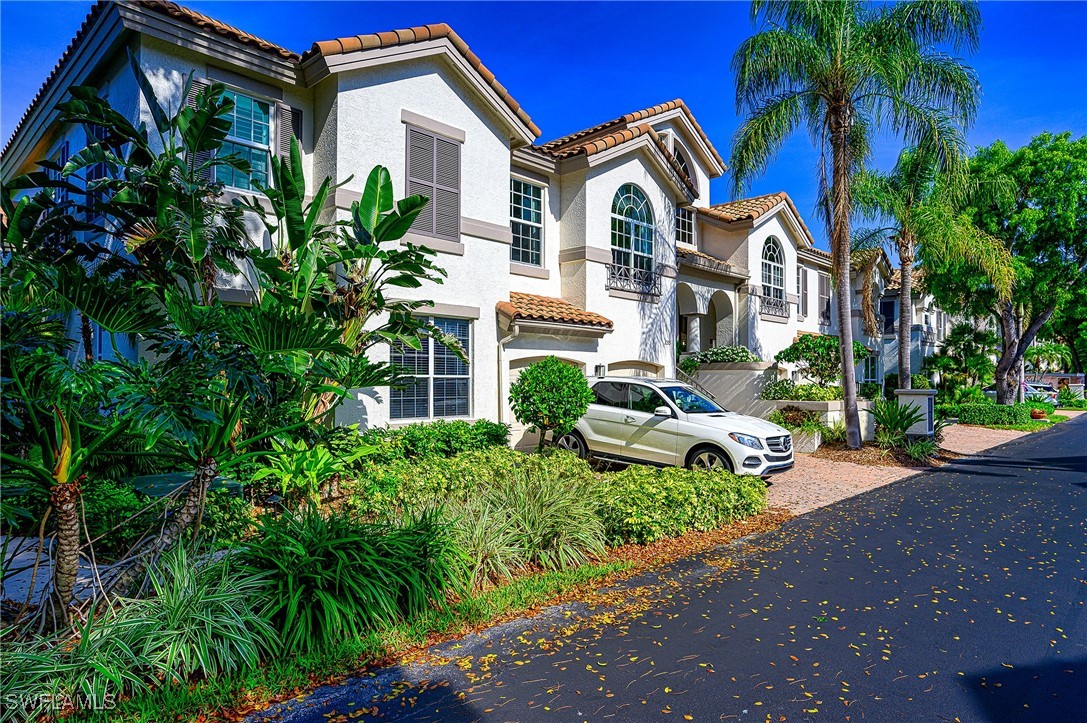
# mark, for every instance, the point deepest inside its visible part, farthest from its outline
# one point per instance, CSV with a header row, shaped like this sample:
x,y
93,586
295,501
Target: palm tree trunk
x,y
192,507
840,120
905,312
65,502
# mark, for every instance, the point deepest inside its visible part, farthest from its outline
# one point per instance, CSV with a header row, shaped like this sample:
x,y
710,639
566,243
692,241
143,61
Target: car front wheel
x,y
573,442
710,458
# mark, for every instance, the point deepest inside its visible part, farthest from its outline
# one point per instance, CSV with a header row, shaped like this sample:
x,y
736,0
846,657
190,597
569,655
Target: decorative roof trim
x,y
548,309
421,34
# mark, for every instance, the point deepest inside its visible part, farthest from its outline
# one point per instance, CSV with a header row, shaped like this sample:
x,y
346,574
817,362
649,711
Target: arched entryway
x,y
721,321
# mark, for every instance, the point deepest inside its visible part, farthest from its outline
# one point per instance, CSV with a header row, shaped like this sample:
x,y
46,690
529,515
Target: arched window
x,y
681,158
773,270
631,229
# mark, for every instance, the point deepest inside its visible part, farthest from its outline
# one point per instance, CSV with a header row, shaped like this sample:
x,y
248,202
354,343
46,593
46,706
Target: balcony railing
x,y
773,306
638,281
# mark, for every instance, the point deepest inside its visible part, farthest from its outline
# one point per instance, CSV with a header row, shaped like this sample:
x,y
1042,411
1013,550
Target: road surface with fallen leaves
x,y
956,595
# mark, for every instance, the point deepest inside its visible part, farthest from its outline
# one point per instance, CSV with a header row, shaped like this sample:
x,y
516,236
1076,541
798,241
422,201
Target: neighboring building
x,y
930,324
600,247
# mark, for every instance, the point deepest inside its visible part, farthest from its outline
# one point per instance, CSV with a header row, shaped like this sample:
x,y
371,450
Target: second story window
x,y
250,138
773,270
526,222
631,229
824,299
684,226
434,172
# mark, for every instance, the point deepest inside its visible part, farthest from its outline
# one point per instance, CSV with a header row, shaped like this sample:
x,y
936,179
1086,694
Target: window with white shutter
x,y
824,299
434,172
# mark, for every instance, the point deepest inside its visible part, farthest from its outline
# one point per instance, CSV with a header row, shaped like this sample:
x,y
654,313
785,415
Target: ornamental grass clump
x,y
332,576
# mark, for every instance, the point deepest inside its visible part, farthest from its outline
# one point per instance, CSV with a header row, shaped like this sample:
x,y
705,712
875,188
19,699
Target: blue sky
x,y
573,65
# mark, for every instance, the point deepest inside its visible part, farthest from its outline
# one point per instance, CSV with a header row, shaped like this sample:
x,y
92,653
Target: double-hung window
x,y
440,382
824,299
434,172
95,173
250,138
684,226
526,222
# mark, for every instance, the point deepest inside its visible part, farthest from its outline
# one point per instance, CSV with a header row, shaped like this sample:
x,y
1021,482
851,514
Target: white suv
x,y
666,422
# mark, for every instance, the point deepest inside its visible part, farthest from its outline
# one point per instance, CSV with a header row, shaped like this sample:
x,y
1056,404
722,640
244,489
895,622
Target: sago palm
x,y
919,201
844,69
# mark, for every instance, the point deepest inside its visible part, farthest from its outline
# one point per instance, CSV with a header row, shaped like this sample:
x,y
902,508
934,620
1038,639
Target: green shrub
x,y
302,471
893,420
227,517
550,396
994,414
948,411
1067,398
724,354
870,390
917,381
689,364
647,503
778,389
440,438
815,393
332,577
819,357
921,449
795,418
835,433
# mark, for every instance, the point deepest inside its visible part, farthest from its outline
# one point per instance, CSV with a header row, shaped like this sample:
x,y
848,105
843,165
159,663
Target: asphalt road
x,y
956,595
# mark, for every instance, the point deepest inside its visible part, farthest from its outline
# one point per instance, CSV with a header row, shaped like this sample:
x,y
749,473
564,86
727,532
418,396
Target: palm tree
x,y
921,198
1048,356
845,68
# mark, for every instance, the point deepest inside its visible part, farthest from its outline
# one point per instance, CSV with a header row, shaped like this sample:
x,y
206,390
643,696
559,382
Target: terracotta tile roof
x,y
705,261
597,144
895,281
530,307
751,209
418,34
582,136
163,7
204,22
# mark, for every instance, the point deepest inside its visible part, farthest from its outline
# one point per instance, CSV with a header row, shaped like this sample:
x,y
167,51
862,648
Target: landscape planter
x,y
834,411
806,442
1037,414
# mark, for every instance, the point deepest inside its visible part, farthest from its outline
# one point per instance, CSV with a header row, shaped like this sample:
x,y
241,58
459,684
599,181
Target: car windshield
x,y
690,401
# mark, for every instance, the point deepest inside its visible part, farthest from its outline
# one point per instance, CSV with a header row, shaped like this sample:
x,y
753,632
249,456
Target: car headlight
x,y
746,440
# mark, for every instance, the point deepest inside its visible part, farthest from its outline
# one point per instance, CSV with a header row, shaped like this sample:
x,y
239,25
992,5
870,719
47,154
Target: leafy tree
x,y
550,396
1043,224
1069,325
818,357
844,69
921,200
966,358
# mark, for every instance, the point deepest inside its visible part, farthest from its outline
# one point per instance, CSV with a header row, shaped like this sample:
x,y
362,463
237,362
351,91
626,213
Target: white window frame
x,y
634,259
773,287
431,376
268,147
685,226
516,220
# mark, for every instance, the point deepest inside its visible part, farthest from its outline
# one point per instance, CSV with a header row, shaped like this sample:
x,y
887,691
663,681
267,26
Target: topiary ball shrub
x,y
550,396
994,414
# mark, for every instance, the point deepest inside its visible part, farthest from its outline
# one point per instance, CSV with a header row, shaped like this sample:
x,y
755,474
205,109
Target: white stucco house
x,y
600,247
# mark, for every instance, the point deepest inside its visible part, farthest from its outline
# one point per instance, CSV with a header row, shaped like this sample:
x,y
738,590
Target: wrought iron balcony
x,y
774,307
638,281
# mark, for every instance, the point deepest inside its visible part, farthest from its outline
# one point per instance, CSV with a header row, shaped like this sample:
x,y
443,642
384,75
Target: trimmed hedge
x,y
998,414
645,504
787,390
420,440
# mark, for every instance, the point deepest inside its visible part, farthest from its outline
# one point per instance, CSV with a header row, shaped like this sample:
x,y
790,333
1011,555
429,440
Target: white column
x,y
694,332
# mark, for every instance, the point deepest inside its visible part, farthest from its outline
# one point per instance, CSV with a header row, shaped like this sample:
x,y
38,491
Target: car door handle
x,y
628,420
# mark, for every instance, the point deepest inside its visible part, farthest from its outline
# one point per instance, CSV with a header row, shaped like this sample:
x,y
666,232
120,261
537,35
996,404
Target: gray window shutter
x,y
195,88
447,189
803,291
434,171
288,126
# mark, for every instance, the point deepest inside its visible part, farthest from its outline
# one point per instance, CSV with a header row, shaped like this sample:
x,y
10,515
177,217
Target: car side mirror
x,y
662,411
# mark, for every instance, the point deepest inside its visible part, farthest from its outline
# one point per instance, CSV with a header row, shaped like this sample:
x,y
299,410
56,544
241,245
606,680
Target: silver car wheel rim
x,y
570,443
709,460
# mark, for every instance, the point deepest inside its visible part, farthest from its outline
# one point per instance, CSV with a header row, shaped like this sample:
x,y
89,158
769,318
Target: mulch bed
x,y
870,454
